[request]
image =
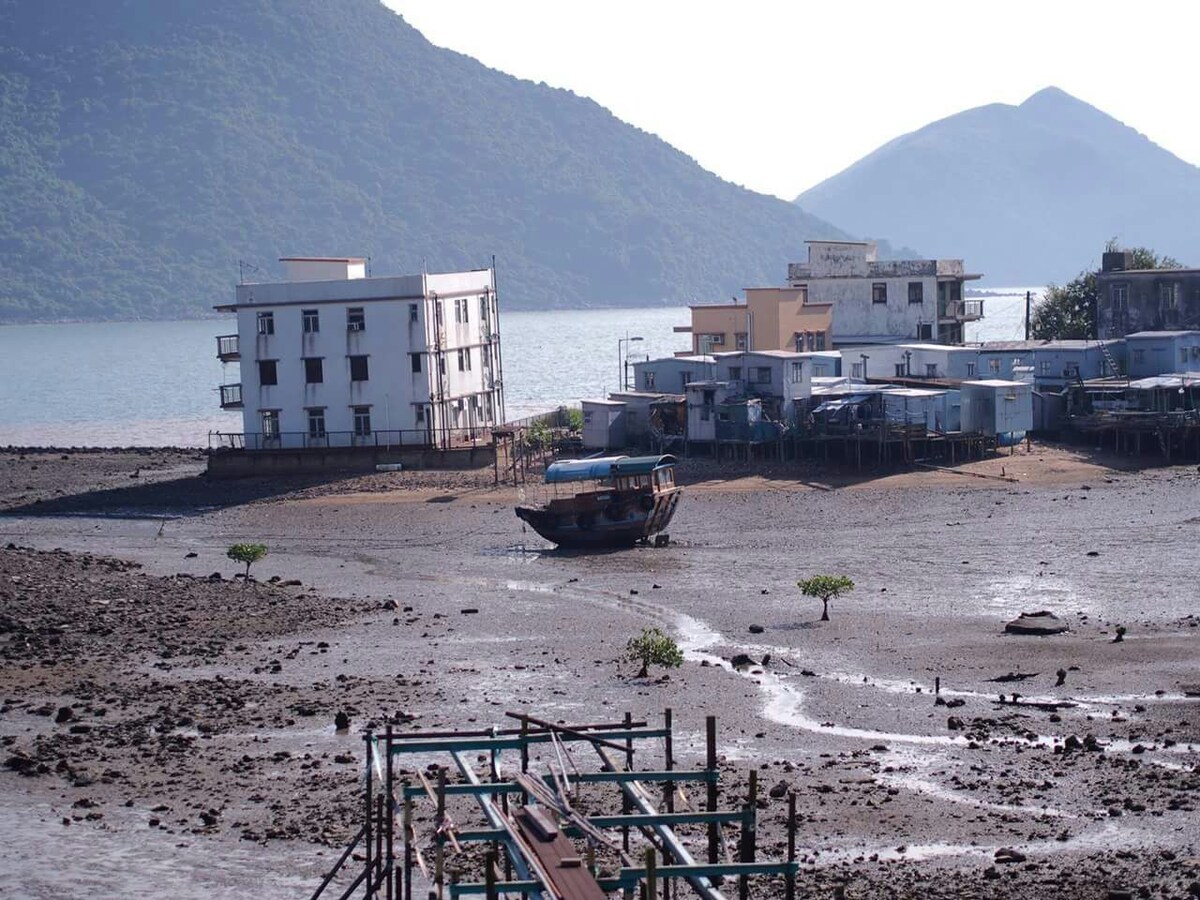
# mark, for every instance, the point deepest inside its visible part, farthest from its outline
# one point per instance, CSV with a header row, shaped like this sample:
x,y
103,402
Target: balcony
x,y
231,396
961,310
228,348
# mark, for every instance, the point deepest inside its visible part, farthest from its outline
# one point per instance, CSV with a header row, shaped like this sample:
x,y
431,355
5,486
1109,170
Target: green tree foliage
x,y
146,147
1068,312
247,553
653,647
825,588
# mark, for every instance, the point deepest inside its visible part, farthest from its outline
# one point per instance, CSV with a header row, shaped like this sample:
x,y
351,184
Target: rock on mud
x,y
1036,623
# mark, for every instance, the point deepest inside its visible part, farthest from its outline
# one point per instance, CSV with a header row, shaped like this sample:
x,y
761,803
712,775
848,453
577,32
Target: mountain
x,y
1024,194
147,147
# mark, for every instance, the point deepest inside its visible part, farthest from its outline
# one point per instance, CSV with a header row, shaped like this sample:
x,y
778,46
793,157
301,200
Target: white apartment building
x,y
332,358
885,301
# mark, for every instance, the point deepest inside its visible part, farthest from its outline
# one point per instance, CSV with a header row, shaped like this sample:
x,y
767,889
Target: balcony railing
x,y
231,396
228,348
961,310
297,440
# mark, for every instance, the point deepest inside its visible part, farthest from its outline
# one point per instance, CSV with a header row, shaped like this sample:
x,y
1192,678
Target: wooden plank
x,y
559,859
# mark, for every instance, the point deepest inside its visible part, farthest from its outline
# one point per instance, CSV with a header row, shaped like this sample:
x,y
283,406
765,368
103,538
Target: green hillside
x,y
146,147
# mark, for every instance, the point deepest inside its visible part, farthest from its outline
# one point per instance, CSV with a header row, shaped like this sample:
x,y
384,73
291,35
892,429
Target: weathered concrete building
x,y
1133,300
885,301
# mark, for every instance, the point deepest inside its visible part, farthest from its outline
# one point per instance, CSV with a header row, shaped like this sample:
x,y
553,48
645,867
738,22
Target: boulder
x,y
1036,623
743,660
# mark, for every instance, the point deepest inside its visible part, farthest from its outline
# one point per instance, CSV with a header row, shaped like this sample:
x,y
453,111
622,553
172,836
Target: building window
x,y
931,370
356,320
1139,356
358,368
819,340
740,340
879,292
1044,367
735,373
856,370
313,371
901,370
362,421
464,359
416,362
268,373
441,364
970,370
762,375
1120,297
797,371
420,415
916,292
925,332
685,378
266,323
270,423
414,313
316,422
802,293
311,319
994,366
648,380
1183,354
1167,295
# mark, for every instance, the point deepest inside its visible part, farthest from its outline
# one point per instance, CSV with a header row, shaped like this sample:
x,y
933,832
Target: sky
x,y
778,96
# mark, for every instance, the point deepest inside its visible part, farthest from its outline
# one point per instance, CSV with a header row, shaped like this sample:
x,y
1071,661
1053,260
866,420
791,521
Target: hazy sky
x,y
779,95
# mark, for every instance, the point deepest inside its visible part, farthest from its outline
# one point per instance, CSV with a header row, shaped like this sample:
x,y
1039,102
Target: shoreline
x,y
940,562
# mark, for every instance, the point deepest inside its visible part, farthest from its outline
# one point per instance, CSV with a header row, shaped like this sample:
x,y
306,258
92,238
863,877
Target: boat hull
x,y
587,530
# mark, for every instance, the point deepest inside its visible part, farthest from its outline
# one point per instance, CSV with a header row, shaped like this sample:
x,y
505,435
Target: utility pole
x,y
1028,309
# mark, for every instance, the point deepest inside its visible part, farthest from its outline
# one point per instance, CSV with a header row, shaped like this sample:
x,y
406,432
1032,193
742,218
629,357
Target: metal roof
x,y
641,465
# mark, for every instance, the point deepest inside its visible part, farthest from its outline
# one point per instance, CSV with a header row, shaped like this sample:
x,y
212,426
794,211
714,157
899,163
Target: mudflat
x,y
171,726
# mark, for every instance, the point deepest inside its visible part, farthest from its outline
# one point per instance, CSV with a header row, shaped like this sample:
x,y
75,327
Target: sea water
x,y
121,384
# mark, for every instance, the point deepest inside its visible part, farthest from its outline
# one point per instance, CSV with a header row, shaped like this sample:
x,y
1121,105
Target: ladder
x,y
1110,361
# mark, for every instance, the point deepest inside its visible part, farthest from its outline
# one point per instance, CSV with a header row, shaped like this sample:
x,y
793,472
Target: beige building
x,y
770,319
843,296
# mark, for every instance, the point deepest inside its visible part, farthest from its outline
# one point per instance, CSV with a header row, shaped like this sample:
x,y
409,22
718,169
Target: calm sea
x,y
120,384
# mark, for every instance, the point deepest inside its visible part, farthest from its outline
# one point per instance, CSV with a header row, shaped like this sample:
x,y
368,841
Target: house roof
x,y
1150,335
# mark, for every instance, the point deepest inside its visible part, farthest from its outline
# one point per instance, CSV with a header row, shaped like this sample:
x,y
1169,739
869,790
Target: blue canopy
x,y
581,469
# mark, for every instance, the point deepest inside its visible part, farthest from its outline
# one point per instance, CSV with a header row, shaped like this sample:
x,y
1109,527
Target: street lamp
x,y
623,360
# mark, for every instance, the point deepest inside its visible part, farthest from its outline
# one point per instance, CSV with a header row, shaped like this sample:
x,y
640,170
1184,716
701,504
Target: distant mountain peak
x,y
1050,94
1025,194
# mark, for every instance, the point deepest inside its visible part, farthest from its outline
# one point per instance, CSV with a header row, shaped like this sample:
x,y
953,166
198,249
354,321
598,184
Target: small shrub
x,y
247,553
653,647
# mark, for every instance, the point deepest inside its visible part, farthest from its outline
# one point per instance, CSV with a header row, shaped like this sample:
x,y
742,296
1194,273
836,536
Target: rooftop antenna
x,y
243,268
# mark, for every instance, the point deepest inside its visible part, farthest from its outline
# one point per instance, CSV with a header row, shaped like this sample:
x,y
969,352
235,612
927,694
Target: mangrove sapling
x,y
248,554
825,587
653,647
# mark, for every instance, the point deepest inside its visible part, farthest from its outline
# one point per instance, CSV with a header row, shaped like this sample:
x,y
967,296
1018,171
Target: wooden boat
x,y
625,499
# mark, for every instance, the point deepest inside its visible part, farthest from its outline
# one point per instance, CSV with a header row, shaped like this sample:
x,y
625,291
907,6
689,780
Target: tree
x,y
653,647
247,553
1068,312
826,587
